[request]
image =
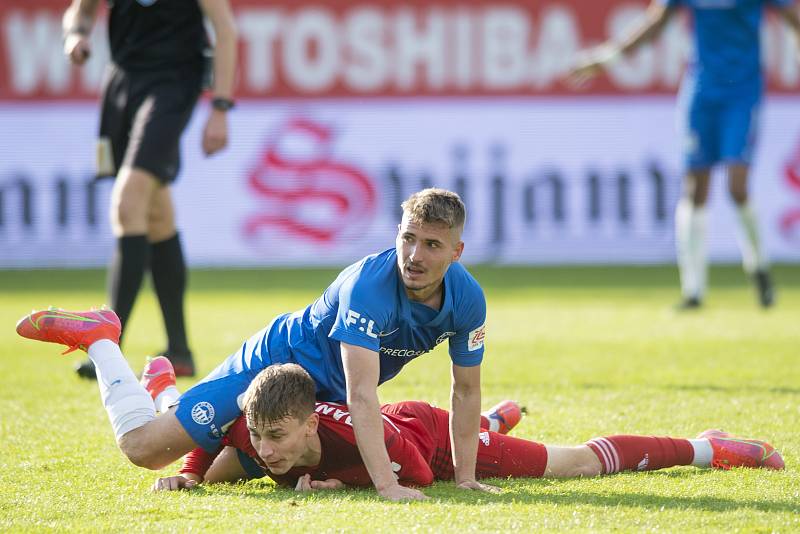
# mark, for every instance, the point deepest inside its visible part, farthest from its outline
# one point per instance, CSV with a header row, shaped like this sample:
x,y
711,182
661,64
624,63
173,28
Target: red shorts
x,y
499,455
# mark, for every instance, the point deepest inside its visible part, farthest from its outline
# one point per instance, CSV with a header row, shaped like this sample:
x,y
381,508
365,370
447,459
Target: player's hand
x,y
588,65
215,135
475,485
174,483
77,48
401,493
304,483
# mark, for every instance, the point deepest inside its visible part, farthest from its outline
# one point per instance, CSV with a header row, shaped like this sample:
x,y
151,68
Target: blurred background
x,y
345,108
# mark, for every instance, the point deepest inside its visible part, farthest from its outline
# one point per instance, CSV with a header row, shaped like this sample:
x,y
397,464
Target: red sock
x,y
640,453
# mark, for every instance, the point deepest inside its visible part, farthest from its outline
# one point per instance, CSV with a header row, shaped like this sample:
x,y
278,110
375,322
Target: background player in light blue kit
x,y
378,315
720,95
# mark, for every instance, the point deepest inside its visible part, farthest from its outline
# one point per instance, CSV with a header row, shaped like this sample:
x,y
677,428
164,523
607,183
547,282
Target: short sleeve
x,y
466,345
362,313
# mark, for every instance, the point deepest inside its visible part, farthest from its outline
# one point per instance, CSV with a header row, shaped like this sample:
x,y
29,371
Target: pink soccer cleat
x,y
158,375
76,330
504,416
730,451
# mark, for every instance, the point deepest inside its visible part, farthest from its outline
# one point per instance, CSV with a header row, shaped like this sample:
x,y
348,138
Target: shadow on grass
x,y
519,491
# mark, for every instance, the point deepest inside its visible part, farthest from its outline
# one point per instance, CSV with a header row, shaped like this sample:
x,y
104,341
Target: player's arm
x,y
77,24
592,61
218,12
465,418
361,371
790,16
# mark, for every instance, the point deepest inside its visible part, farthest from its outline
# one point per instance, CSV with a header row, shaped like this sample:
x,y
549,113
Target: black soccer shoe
x,y
85,369
766,292
689,303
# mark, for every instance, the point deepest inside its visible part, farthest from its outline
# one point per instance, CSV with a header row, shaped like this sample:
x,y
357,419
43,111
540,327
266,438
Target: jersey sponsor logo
x,y
412,353
403,353
475,338
364,325
484,437
203,413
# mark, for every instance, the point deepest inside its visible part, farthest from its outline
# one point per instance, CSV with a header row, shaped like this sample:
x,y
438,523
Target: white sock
x,y
167,398
127,403
698,230
753,258
494,424
703,453
690,236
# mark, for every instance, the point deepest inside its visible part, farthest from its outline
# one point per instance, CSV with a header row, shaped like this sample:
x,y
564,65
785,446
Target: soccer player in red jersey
x,y
308,445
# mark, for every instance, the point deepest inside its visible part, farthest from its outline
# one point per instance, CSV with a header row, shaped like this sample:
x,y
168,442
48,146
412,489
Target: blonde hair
x,y
434,205
279,391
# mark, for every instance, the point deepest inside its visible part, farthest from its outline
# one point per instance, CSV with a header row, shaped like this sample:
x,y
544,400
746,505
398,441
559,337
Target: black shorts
x,y
142,118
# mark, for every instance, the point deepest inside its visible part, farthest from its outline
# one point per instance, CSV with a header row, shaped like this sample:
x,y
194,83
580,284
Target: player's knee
x,y
588,470
135,447
128,214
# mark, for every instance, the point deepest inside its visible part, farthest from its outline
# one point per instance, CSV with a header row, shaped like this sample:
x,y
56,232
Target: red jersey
x,y
417,440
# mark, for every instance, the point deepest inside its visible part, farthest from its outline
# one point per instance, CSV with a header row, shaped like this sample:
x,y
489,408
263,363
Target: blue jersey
x,y
367,306
727,47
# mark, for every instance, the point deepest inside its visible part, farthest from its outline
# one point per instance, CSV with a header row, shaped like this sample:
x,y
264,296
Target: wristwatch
x,y
222,104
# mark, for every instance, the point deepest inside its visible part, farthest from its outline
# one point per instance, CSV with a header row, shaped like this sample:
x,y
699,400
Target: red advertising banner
x,y
383,48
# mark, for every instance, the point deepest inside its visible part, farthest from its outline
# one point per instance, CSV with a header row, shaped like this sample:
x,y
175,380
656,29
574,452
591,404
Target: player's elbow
x,y
138,453
361,398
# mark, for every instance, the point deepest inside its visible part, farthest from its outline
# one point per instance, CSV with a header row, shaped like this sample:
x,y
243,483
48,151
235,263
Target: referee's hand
x,y
215,135
77,48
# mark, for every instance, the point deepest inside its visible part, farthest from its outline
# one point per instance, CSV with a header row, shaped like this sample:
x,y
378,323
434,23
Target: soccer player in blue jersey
x,y
721,95
379,314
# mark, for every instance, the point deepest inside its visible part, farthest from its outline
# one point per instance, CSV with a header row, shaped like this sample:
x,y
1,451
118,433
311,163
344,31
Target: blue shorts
x,y
207,409
720,129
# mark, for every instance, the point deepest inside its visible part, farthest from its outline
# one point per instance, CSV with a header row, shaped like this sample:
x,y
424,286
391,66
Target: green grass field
x,y
590,351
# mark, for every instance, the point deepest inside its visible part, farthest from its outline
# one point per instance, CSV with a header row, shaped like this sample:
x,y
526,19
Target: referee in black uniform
x,y
158,65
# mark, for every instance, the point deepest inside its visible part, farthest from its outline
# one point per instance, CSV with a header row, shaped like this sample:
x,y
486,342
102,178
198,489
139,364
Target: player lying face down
x,y
285,435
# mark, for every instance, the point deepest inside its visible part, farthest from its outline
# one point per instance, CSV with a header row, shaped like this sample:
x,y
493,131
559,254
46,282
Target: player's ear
x,y
312,423
459,250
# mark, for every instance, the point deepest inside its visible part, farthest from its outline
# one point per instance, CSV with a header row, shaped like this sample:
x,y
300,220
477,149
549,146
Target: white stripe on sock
x,y
612,451
608,463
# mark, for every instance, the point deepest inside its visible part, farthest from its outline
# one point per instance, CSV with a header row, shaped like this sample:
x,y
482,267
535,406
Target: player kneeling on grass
x,y
285,435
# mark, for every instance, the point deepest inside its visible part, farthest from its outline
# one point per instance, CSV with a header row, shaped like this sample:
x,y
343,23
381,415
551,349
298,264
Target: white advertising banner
x,y
545,180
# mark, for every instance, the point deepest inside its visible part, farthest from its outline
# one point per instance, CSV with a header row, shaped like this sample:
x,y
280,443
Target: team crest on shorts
x,y
203,413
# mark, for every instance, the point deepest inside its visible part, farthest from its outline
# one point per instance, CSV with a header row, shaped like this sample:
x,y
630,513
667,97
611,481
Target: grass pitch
x,y
590,351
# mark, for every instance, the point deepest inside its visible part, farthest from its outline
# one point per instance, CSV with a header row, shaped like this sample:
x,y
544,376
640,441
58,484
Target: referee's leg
x,y
131,199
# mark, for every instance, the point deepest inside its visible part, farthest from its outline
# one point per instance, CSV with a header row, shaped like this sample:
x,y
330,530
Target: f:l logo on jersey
x,y
364,324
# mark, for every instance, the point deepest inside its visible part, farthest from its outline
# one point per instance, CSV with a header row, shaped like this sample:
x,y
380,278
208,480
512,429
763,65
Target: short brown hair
x,y
279,391
434,205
